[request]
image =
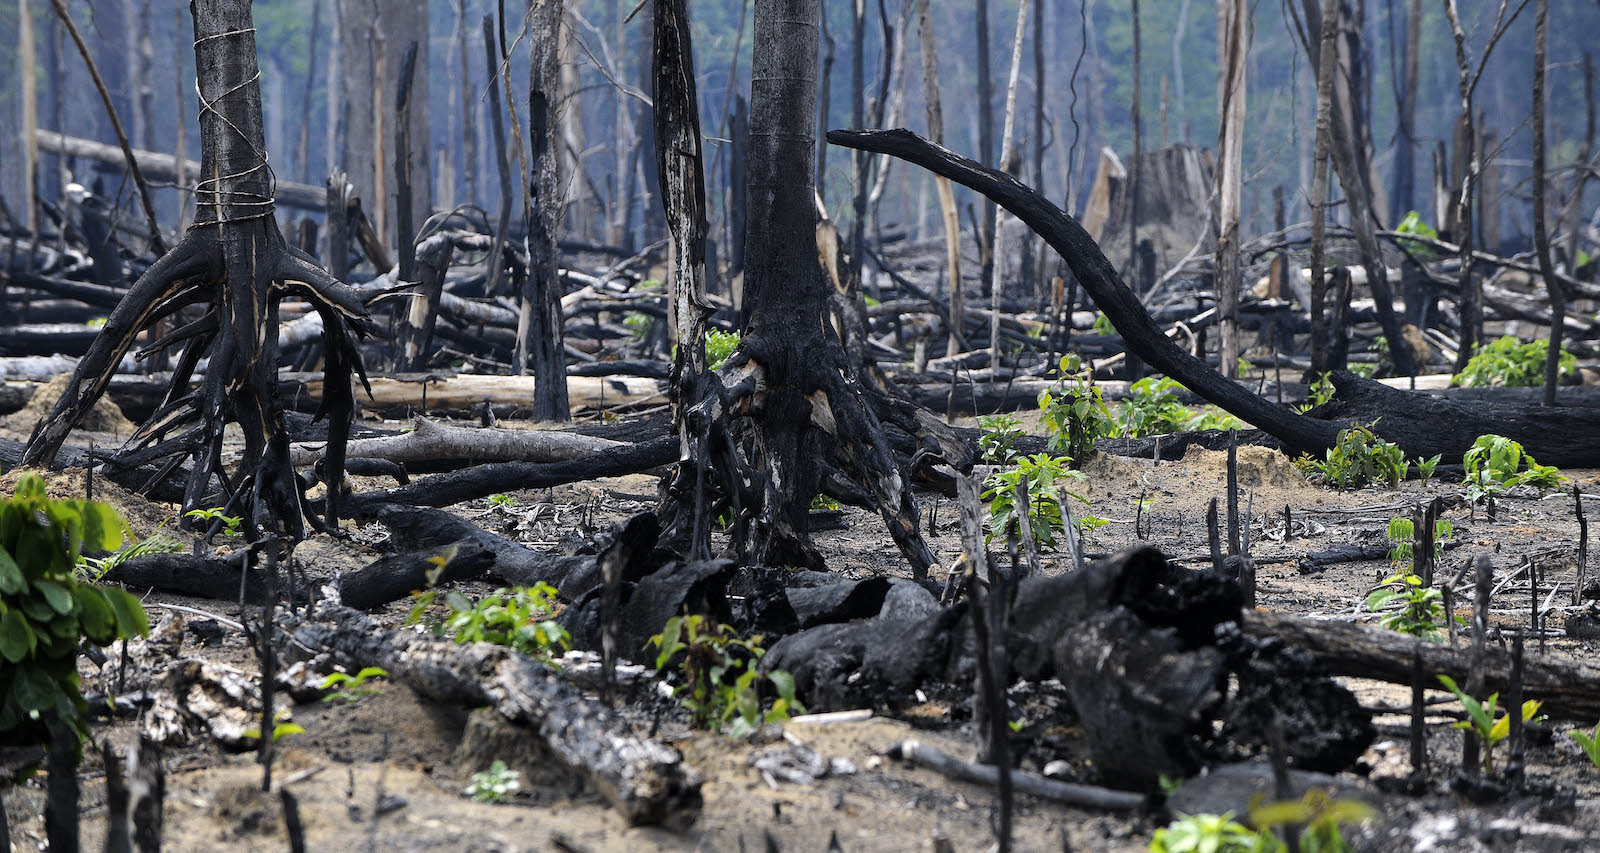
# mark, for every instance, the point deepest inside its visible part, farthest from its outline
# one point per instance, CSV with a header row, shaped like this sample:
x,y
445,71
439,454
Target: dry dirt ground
x,y
406,754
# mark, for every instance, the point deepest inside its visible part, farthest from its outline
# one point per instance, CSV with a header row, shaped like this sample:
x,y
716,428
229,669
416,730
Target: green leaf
x,y
56,595
12,581
130,615
16,637
99,622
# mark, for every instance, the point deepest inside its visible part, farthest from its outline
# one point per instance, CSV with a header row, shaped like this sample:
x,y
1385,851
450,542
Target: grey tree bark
x,y
539,325
1233,28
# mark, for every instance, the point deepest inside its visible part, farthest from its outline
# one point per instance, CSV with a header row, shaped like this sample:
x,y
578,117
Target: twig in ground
x,y
1033,784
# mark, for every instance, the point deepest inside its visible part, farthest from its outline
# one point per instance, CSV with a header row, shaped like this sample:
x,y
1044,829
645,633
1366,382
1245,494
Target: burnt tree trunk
x,y
808,425
540,324
234,261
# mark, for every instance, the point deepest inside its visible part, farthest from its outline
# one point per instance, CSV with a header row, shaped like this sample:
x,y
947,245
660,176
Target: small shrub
x,y
1403,533
1412,224
1358,459
47,612
1510,362
92,569
1481,719
1320,392
1205,833
493,785
721,676
517,617
1404,605
1495,463
498,501
1152,408
1039,475
1318,817
1075,415
1000,432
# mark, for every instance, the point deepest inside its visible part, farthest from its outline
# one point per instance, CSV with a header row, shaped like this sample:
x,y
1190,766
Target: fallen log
x,y
482,481
429,441
420,529
1043,787
1570,689
463,391
646,782
164,167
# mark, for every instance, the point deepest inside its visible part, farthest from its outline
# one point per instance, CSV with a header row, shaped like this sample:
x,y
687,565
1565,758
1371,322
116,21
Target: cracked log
x,y
429,441
646,782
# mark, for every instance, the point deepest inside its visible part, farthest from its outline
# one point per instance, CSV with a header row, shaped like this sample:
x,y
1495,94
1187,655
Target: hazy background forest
x,y
309,49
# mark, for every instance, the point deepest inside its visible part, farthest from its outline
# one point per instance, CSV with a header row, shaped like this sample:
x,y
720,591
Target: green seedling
x,y
281,728
502,501
1318,817
352,688
1589,743
1481,719
1075,414
1359,458
1000,433
493,785
1321,392
719,346
721,683
1406,606
1402,535
516,617
1495,464
1205,833
207,517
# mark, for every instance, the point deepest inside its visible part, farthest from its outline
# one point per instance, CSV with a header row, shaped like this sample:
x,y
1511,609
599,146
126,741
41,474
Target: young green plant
x,y
721,680
1481,719
493,785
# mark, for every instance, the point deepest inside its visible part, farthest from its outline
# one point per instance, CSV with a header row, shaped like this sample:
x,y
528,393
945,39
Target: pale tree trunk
x,y
302,148
468,103
1405,169
1007,154
1467,167
30,115
335,115
1178,29
404,24
1233,29
358,43
947,196
539,325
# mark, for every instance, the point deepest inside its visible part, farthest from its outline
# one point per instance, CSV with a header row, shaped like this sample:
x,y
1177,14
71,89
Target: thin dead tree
x,y
679,153
1007,154
947,195
539,321
1319,189
235,264
1233,33
1541,229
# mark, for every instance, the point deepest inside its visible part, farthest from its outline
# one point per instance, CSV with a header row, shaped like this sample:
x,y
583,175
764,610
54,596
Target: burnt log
x,y
646,782
1570,689
418,529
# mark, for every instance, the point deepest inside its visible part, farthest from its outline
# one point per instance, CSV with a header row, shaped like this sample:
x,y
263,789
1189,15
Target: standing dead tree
x,y
787,419
539,321
1233,43
234,262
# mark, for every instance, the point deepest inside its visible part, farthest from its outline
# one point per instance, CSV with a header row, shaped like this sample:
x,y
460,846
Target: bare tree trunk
x,y
539,327
985,109
1007,155
1405,169
1233,33
947,196
1461,230
404,23
336,102
824,99
1177,67
469,129
1541,231
30,117
1319,188
359,53
681,165
302,149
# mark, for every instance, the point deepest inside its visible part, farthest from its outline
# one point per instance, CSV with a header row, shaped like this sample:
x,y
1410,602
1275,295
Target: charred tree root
x,y
646,782
236,263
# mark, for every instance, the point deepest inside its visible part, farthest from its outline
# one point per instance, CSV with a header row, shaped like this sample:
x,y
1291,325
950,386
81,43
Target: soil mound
x,y
104,417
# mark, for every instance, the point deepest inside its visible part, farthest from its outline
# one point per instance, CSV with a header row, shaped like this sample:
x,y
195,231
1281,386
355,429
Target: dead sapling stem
x,y
1450,611
1138,515
1583,545
269,663
1533,601
1424,531
147,777
1247,565
993,730
292,824
1215,536
1419,718
1030,548
1070,529
1483,592
1282,789
1288,523
1515,763
61,788
1233,493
